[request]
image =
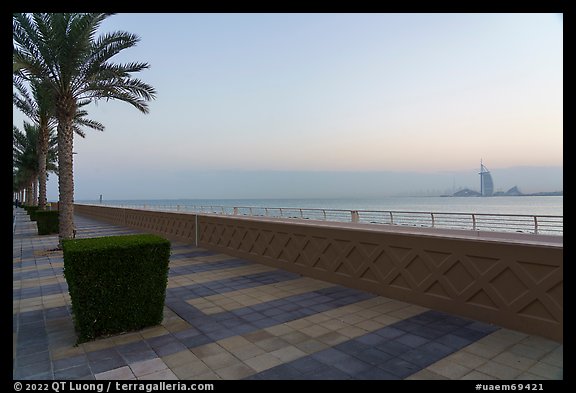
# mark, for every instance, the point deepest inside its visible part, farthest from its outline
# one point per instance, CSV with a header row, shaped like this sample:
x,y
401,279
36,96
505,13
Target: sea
x,y
524,205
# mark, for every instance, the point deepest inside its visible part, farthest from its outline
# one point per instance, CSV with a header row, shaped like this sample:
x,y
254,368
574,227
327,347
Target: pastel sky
x,y
300,93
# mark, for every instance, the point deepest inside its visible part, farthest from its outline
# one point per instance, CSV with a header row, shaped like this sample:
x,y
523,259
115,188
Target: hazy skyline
x,y
248,99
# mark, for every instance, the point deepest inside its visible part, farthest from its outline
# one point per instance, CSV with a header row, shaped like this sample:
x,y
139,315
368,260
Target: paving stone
x,y
282,372
295,337
196,341
353,347
466,359
513,360
191,369
147,367
352,366
247,351
327,373
371,339
399,367
219,361
101,365
426,375
499,371
453,341
162,375
179,358
411,340
530,377
272,344
171,348
449,369
394,347
554,358
116,374
477,375
262,362
373,356
108,353
375,373
208,350
236,371
68,362
32,370
528,351
307,365
133,357
331,355
546,370
73,372
27,360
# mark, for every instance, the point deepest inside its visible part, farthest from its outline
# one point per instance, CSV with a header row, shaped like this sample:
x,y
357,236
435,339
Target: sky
x,y
330,105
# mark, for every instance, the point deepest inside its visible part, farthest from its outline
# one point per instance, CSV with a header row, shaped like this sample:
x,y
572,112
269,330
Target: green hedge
x,y
116,283
47,222
32,212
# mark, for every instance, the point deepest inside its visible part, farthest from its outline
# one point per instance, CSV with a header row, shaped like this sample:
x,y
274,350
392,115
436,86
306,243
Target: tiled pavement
x,y
228,318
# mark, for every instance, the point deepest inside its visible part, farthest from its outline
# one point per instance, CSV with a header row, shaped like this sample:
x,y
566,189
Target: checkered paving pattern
x,y
229,318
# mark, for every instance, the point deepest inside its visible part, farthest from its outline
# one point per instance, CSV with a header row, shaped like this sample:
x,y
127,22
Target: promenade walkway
x,y
229,318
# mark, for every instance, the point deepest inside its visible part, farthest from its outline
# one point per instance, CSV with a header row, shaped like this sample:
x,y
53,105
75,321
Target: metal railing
x,y
534,224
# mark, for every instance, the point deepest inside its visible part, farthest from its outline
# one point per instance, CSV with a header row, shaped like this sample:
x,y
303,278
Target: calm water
x,y
530,205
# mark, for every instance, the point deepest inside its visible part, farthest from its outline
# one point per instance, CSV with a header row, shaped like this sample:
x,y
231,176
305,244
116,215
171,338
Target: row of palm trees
x,y
35,150
26,165
59,67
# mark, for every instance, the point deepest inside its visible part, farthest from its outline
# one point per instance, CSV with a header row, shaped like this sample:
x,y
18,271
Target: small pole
x,y
100,198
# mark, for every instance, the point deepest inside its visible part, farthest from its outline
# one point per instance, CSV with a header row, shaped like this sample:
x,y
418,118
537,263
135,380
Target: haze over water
x,y
526,205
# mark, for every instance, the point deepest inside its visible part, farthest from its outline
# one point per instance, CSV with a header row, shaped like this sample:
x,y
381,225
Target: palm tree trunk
x,y
29,194
42,155
35,190
65,178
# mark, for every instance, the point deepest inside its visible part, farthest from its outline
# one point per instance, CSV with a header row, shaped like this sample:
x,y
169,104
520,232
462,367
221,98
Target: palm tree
x,y
40,109
18,184
62,50
26,159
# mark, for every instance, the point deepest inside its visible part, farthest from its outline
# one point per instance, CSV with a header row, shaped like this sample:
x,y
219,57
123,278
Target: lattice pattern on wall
x,y
515,285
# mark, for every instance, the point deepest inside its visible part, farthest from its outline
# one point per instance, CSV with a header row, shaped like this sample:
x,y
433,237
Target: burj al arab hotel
x,y
486,183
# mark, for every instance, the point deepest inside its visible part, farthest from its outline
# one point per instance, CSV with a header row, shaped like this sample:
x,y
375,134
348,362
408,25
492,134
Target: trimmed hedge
x,y
47,222
32,210
116,283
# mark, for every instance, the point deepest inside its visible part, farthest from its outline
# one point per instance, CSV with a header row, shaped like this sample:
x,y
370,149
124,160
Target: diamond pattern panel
x,y
513,285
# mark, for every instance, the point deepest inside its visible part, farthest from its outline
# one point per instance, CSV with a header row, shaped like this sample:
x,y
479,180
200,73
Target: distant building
x,y
514,191
466,193
486,183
